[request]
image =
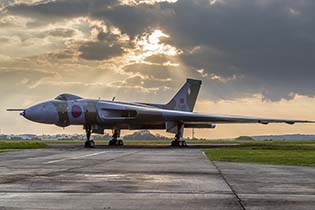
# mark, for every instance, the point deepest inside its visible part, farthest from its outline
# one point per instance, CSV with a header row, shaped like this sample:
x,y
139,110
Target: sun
x,y
154,38
150,44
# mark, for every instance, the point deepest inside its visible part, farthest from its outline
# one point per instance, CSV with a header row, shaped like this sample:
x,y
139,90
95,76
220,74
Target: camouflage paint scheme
x,y
68,109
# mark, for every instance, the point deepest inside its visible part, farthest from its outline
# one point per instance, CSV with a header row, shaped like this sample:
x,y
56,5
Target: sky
x,y
255,57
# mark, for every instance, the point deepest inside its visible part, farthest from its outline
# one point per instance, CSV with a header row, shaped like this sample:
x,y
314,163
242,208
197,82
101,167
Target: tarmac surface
x,y
150,178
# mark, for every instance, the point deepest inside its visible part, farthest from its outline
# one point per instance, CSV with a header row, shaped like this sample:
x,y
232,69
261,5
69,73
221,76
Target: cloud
x,y
158,59
245,47
265,46
99,51
108,43
137,2
62,32
56,10
139,50
10,21
147,83
152,71
21,80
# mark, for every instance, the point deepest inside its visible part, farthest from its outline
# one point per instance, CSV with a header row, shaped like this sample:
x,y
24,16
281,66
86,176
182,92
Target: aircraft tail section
x,y
185,98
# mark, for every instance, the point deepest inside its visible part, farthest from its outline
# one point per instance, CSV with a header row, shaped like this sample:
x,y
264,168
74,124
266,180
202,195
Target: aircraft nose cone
x,y
42,113
22,113
28,113
33,113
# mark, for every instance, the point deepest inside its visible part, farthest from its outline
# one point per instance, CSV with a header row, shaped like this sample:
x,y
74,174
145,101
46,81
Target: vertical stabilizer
x,y
185,98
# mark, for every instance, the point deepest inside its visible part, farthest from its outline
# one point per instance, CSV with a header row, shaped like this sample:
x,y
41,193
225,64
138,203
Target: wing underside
x,y
188,117
148,116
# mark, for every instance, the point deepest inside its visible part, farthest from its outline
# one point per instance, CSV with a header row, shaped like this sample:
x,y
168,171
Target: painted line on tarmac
x,y
73,158
239,200
204,154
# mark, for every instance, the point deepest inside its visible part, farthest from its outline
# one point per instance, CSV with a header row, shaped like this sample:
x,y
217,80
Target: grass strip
x,y
280,154
8,145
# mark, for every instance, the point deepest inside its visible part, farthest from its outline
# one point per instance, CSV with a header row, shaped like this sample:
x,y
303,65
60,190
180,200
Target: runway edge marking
x,y
228,184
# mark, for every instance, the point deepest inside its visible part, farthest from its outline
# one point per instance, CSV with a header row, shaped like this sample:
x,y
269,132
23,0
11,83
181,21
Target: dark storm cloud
x,y
268,46
60,9
99,50
263,42
271,48
132,20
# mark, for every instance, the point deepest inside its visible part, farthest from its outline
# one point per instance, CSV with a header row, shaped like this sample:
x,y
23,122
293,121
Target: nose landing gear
x,y
88,143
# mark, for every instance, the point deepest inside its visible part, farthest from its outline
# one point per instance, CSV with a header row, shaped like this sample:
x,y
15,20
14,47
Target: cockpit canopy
x,y
67,97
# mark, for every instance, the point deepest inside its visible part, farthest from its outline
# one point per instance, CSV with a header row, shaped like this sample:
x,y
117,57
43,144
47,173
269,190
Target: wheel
x,y
120,142
175,143
91,144
182,144
86,144
112,142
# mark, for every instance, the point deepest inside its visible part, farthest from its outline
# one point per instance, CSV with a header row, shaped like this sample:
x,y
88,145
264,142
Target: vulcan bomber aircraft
x,y
98,115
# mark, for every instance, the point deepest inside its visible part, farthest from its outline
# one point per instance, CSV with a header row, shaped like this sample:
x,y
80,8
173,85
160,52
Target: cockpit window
x,y
67,97
60,97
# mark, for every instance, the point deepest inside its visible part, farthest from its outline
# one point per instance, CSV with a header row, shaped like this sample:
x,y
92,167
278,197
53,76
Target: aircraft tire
x,y
112,142
89,144
86,144
175,143
120,142
183,144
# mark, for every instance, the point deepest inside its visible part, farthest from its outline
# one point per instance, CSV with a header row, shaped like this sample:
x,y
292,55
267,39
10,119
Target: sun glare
x,y
154,38
150,44
137,2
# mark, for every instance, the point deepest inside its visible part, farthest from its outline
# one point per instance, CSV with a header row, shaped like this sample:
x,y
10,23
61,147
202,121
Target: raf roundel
x,y
76,111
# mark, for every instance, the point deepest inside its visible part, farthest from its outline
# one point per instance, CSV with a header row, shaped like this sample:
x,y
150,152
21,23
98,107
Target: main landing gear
x,y
115,141
88,143
178,141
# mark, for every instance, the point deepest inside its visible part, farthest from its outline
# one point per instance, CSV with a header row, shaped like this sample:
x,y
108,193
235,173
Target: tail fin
x,y
185,98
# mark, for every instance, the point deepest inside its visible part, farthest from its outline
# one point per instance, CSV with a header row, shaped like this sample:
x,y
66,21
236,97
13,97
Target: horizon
x,y
155,134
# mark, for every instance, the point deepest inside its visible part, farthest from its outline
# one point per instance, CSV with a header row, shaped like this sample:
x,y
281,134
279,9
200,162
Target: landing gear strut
x,y
115,141
178,141
88,143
